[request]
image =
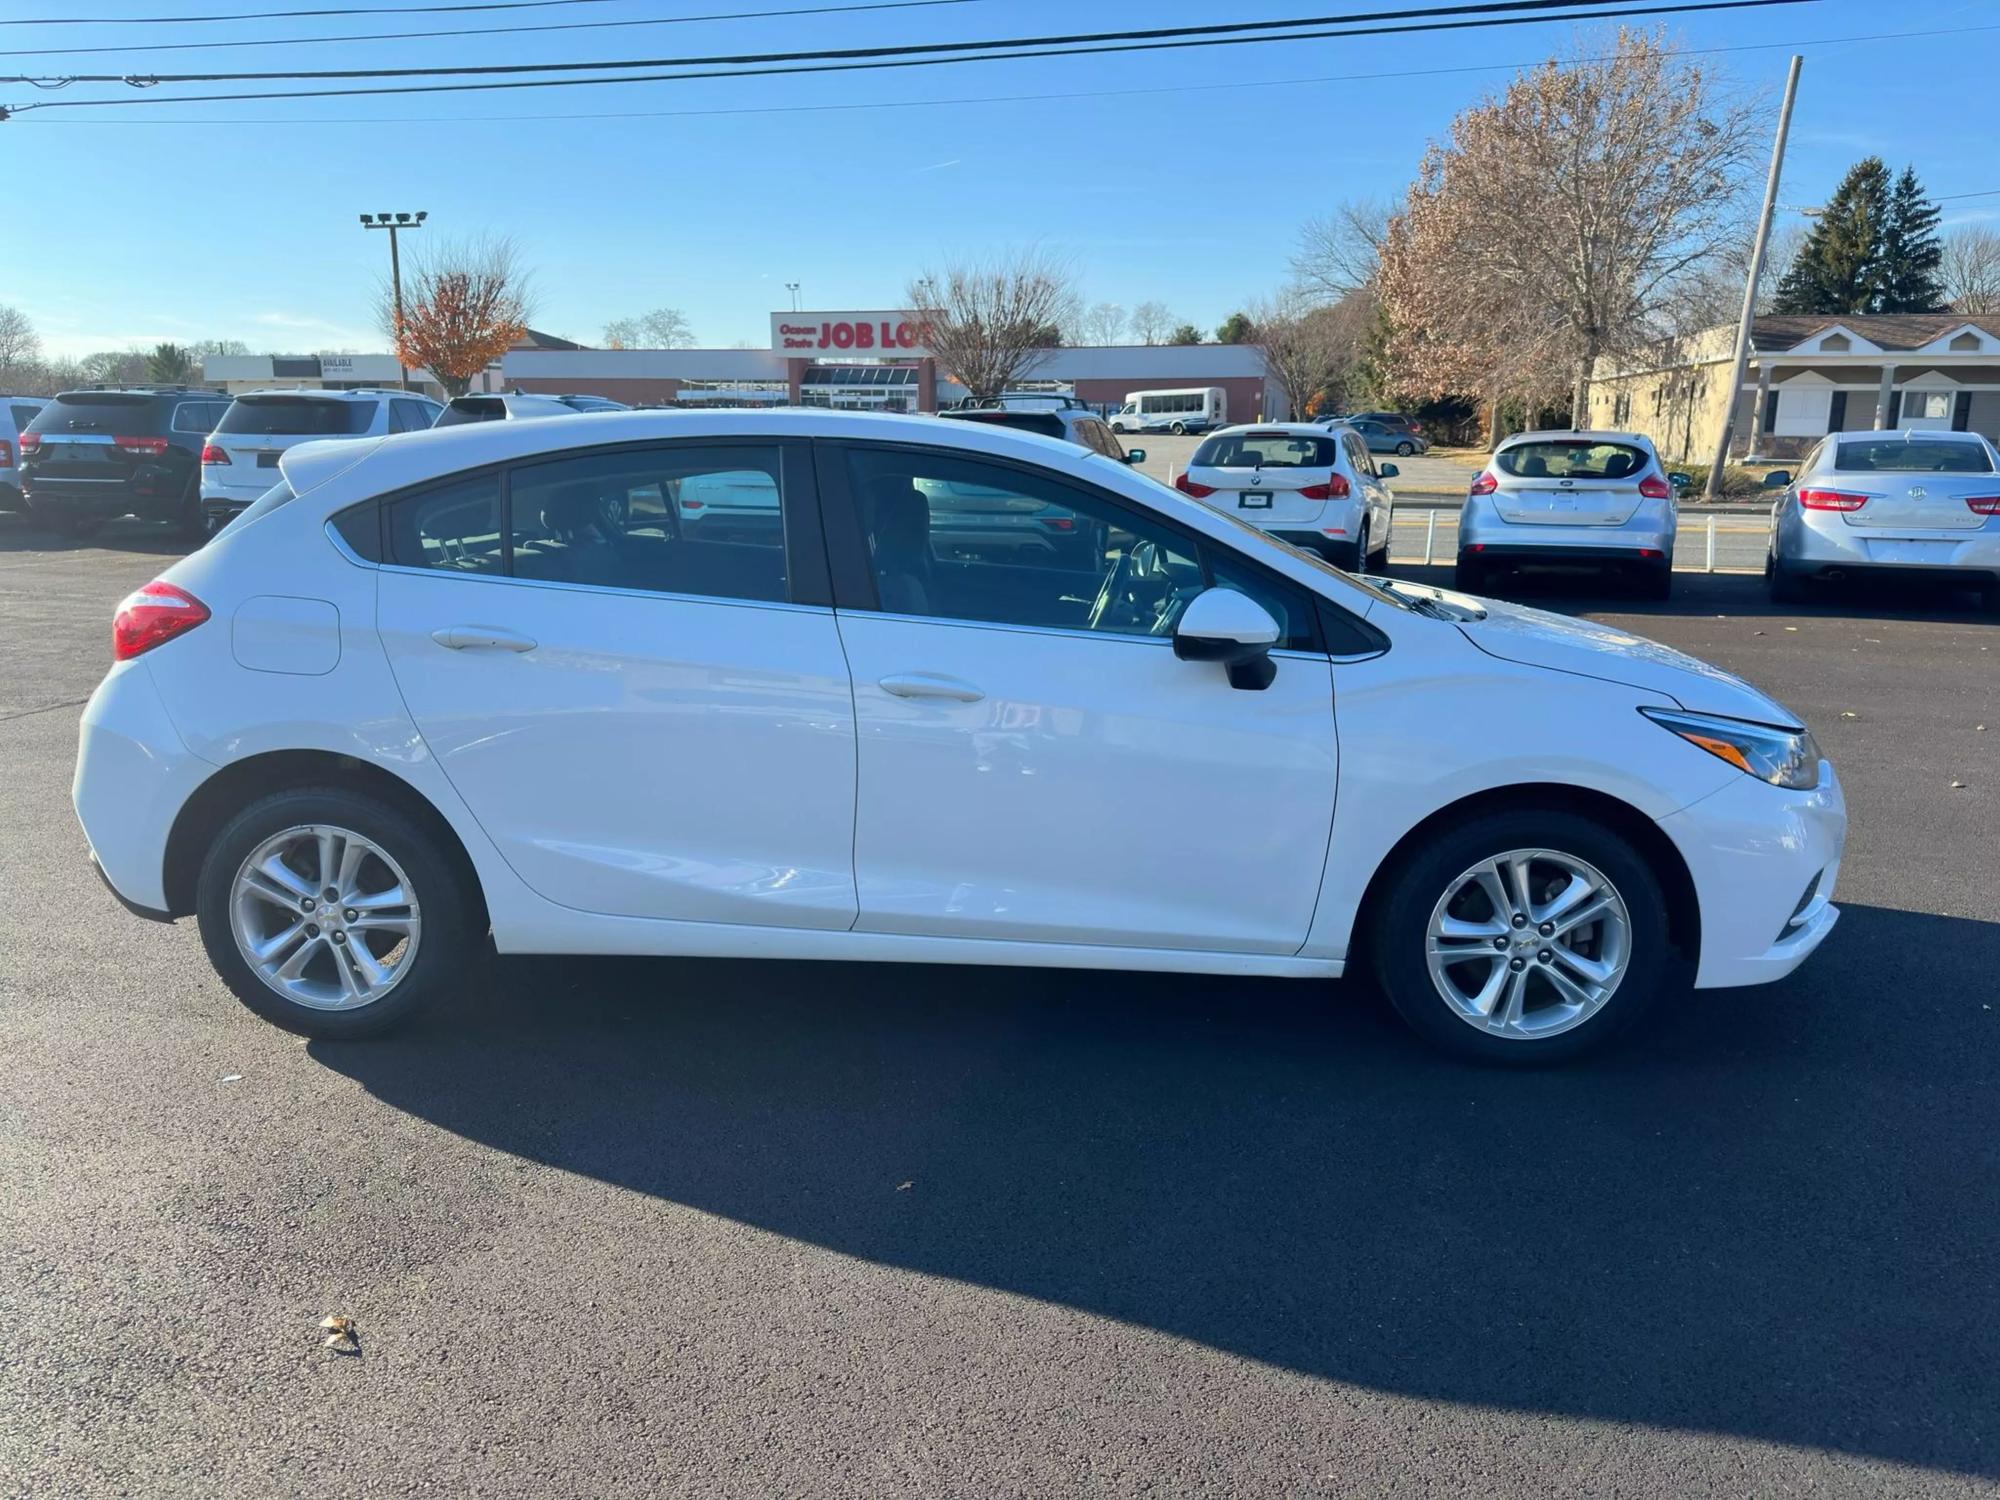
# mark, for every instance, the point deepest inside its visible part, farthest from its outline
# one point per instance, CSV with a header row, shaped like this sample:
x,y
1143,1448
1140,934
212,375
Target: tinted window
x,y
963,540
1569,458
409,416
681,519
1046,423
296,416
194,416
103,411
1907,455
454,527
1270,450
472,409
23,415
1289,605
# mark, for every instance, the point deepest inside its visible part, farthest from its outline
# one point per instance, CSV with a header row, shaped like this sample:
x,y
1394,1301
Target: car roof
x,y
314,393
1909,434
1294,429
1576,435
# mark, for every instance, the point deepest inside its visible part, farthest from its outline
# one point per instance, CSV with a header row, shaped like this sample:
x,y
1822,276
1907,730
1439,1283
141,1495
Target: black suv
x,y
95,455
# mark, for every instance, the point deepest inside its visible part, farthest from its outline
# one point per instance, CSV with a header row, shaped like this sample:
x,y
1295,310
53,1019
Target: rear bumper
x,y
1829,545
1573,550
1764,861
133,776
101,501
10,496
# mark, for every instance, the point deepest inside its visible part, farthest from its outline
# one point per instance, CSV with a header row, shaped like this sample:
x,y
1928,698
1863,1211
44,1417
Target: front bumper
x,y
133,776
1764,860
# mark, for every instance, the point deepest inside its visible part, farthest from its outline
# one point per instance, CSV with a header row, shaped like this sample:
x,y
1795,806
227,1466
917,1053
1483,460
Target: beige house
x,y
1809,374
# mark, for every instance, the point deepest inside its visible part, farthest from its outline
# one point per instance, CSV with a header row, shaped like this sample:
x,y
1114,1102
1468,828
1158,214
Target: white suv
x,y
1312,486
240,460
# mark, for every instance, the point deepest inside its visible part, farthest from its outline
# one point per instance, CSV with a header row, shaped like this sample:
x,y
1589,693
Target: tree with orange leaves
x,y
467,307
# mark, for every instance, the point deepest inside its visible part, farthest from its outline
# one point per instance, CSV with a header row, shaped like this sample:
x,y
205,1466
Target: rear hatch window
x,y
103,411
1046,423
1911,455
1267,450
472,409
296,416
1579,461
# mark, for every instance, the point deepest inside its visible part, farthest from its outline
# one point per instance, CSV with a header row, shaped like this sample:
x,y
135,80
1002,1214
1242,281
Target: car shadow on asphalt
x,y
1772,1213
1723,593
21,533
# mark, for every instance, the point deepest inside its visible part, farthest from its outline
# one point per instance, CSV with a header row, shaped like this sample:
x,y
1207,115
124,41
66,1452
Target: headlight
x,y
1783,757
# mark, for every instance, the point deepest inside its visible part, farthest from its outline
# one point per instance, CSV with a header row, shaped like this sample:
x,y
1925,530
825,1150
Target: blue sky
x,y
183,221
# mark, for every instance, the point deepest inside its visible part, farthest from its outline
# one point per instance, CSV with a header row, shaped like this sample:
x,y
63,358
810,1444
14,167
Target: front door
x,y
1035,762
622,690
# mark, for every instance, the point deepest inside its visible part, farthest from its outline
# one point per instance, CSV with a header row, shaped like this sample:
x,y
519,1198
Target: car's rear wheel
x,y
1470,577
1178,429
1784,586
1404,450
1522,937
332,913
1657,582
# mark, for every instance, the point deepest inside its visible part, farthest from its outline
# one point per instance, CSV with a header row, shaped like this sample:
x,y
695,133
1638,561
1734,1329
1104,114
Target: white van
x,y
1194,410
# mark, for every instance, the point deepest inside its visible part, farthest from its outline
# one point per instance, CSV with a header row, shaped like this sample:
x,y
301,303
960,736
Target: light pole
x,y
392,223
793,288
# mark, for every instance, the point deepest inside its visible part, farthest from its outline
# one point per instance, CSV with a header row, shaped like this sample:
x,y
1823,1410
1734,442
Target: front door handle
x,y
931,685
483,637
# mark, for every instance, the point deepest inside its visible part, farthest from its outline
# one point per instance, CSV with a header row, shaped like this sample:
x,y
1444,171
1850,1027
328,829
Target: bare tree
x,y
1337,253
20,347
1152,322
988,322
662,328
463,309
1099,324
1639,164
1311,347
1971,270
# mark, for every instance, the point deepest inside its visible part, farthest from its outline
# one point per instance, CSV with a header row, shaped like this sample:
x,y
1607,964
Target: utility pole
x,y
393,223
1742,360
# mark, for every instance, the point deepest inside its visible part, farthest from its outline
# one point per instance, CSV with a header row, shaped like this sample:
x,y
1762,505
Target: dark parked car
x,y
91,456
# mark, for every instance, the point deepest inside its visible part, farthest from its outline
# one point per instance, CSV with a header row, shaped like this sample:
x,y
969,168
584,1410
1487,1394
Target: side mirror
x,y
1232,628
1778,479
1135,455
1679,480
1387,471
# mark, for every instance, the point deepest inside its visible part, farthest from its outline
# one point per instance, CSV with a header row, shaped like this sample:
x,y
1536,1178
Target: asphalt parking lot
x,y
756,1228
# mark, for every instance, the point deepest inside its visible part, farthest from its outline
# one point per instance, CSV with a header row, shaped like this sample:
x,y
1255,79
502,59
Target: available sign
x,y
809,334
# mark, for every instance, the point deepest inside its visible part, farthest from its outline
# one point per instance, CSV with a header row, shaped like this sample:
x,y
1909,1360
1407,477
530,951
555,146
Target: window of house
x,y
1835,343
1927,406
1803,411
1965,342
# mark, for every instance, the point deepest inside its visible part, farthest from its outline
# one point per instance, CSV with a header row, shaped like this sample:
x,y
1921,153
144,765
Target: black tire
x,y
187,521
1658,582
1470,577
1785,587
1178,429
448,950
1989,597
1395,941
1404,450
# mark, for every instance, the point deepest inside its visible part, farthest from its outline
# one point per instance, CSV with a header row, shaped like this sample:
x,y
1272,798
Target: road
x,y
620,1228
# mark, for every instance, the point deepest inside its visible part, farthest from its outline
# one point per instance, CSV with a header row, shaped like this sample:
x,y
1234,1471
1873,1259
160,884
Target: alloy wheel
x,y
1528,944
325,917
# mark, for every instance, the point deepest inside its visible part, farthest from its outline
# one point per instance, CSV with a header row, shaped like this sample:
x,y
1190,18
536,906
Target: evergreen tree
x,y
1236,329
1908,279
1838,268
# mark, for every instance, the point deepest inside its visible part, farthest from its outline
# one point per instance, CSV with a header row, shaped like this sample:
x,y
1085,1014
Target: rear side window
x,y
1563,458
410,416
1269,450
1908,455
296,416
472,409
453,527
23,415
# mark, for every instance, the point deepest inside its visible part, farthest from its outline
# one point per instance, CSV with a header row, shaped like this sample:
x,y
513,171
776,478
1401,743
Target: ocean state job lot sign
x,y
812,335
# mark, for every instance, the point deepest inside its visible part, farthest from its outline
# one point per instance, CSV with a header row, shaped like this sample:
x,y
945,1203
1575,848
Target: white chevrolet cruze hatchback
x,y
489,680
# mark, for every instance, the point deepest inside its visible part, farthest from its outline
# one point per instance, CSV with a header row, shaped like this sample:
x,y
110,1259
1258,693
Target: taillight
x,y
30,441
1655,488
152,445
1831,500
210,454
1334,489
1188,486
1484,483
152,616
1983,505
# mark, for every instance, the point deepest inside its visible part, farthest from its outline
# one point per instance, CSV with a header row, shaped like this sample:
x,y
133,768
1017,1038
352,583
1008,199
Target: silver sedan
x,y
1911,503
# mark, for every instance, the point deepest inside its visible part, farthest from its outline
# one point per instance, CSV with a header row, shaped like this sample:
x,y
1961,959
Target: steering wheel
x,y
1123,599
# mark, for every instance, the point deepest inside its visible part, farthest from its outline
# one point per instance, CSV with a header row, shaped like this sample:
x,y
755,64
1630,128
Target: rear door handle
x,y
481,637
930,685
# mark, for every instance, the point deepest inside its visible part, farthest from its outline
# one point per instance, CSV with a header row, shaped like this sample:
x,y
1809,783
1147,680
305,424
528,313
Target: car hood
x,y
1538,638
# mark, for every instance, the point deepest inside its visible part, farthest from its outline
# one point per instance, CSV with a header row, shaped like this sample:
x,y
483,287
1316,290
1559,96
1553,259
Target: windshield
x,y
1570,458
1912,456
294,416
1266,450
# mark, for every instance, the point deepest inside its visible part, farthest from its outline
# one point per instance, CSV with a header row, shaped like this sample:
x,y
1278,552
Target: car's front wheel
x,y
1522,937
1404,450
332,913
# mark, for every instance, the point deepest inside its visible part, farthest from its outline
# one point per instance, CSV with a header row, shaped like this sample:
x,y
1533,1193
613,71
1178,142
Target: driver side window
x,y
959,539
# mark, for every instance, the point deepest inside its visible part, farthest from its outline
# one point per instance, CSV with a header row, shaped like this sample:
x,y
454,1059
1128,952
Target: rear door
x,y
1568,482
1911,485
1258,474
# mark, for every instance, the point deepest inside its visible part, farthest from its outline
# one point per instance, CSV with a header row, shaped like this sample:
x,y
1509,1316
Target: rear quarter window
x,y
1563,458
1911,456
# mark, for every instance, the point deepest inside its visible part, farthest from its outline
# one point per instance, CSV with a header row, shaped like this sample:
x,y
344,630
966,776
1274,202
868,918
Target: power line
x,y
1089,39
291,15
418,36
317,122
